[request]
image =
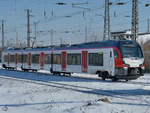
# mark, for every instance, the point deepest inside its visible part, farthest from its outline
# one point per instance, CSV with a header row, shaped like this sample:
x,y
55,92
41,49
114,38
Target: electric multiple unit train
x,y
114,59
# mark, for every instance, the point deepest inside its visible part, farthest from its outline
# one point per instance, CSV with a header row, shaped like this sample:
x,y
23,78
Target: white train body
x,y
108,59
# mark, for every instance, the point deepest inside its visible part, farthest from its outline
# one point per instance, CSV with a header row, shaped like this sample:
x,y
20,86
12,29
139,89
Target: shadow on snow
x,y
41,103
43,77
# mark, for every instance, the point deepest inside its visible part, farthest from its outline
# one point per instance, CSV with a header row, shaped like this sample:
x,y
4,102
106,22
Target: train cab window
x,y
140,52
131,51
6,58
96,59
12,58
74,59
35,58
56,59
47,59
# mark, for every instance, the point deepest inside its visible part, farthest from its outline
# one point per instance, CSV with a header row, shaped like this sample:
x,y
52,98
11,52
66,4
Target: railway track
x,y
38,79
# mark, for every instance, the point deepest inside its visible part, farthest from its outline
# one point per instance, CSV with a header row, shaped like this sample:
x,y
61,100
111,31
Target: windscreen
x,y
131,51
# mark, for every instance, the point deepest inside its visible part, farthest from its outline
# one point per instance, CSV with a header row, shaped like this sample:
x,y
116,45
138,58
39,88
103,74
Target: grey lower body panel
x,y
129,73
128,77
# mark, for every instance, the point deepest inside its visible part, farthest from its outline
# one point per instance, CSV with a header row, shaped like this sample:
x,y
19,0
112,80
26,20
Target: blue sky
x,y
14,14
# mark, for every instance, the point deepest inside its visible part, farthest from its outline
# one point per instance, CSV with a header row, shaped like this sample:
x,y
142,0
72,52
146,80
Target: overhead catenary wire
x,y
51,18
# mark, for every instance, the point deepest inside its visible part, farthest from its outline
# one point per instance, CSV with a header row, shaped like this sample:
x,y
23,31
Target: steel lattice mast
x,y
135,20
106,35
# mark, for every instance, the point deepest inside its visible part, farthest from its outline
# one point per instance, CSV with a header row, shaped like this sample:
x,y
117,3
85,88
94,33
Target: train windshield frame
x,y
131,51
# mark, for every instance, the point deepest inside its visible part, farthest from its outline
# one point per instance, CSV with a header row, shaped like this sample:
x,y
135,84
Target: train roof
x,y
97,44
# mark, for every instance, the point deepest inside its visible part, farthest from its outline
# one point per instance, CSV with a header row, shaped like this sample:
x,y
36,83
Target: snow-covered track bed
x,y
44,93
69,83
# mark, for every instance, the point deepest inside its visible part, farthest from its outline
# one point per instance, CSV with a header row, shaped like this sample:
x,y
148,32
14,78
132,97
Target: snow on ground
x,y
22,92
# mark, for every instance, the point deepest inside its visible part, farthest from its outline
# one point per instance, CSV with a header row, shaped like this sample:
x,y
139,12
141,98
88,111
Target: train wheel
x,y
99,74
104,75
114,79
103,78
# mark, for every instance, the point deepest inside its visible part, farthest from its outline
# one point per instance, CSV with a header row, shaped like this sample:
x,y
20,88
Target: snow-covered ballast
x,y
115,59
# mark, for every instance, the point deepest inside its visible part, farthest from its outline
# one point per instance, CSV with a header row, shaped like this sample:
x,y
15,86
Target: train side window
x,y
6,58
24,58
96,59
35,58
74,59
19,58
12,58
56,59
116,54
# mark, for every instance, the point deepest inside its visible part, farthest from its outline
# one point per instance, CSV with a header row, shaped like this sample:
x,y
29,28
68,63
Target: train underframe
x,y
126,73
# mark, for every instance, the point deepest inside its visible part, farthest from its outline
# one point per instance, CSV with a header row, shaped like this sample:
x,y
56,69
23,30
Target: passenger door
x,y
42,58
8,59
63,61
84,61
16,59
29,60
